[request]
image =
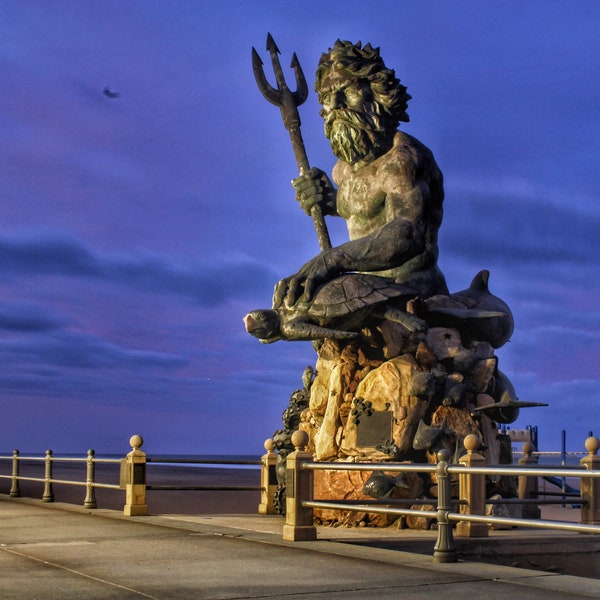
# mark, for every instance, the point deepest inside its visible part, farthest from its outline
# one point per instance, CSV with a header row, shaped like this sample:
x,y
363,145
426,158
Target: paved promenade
x,y
60,551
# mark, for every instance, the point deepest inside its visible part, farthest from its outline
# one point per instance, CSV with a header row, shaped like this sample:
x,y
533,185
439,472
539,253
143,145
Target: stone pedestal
x,y
528,486
299,526
397,396
472,491
133,476
590,488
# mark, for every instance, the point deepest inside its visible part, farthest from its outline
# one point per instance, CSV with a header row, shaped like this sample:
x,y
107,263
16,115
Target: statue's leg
x,y
309,331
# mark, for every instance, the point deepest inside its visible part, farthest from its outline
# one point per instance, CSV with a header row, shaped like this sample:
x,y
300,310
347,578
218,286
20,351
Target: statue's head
x,y
374,100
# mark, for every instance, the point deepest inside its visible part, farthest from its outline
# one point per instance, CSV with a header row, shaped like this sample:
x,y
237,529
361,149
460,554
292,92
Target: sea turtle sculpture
x,y
339,309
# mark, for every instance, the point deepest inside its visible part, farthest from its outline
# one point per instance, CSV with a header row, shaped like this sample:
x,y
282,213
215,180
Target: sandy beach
x,y
158,501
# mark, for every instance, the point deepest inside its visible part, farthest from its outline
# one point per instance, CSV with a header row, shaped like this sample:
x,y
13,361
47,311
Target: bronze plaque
x,y
139,474
375,430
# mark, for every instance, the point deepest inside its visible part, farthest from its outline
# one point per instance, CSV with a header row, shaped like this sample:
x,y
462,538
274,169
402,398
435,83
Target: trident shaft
x,y
288,103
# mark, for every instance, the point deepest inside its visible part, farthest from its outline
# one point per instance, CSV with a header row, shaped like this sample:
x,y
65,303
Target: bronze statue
x,y
390,189
394,347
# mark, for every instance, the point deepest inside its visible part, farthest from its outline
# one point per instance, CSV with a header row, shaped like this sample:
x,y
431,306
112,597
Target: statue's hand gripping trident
x,y
288,103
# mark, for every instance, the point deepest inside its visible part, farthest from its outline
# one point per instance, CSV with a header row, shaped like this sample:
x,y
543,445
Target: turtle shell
x,y
353,292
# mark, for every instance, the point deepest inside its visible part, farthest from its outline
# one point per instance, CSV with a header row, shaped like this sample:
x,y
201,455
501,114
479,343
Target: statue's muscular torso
x,y
405,183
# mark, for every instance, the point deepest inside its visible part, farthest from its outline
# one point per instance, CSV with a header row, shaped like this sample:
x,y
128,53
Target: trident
x,y
288,103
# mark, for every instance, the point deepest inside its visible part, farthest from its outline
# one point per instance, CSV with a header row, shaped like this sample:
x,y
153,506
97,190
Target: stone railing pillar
x,y
528,484
590,488
133,478
299,526
268,480
472,490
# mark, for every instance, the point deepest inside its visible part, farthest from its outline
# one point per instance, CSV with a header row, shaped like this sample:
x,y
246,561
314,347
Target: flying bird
x,y
109,93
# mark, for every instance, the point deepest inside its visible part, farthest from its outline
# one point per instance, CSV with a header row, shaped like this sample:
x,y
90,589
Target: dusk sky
x,y
136,231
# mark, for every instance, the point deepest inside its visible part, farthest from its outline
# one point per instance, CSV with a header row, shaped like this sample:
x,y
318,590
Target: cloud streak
x,y
515,230
206,283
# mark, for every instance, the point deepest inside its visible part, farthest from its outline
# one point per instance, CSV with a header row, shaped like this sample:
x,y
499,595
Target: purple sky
x,y
136,232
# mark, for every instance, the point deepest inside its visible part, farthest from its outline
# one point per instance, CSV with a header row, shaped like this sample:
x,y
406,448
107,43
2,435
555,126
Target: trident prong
x,y
288,103
276,96
301,92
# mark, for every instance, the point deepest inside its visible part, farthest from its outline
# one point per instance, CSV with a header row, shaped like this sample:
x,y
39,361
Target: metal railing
x,y
467,510
49,480
470,517
132,476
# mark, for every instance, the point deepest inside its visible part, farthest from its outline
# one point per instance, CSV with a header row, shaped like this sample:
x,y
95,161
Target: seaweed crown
x,y
347,61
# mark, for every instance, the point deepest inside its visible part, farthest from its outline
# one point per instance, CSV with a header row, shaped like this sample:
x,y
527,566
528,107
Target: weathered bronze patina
x,y
398,356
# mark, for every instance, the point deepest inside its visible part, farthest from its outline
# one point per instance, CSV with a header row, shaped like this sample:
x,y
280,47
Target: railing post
x,y
90,492
15,490
590,488
48,493
134,479
472,490
444,550
528,484
299,526
268,480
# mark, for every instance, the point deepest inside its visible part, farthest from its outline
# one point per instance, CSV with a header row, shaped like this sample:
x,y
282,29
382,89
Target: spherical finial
x,y
471,442
443,455
300,439
528,448
269,445
592,444
136,441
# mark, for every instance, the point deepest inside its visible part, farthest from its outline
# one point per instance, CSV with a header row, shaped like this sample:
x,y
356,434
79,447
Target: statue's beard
x,y
354,135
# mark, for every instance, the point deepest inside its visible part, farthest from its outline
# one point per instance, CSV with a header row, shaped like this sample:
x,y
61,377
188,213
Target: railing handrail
x,y
203,461
53,458
540,472
537,523
454,516
391,467
166,460
553,452
111,486
429,468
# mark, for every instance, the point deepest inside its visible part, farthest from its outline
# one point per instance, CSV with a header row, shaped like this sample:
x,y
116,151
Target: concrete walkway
x,y
62,551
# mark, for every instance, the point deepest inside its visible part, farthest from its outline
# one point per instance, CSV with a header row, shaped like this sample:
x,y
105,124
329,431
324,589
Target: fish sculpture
x,y
475,312
380,486
506,410
428,436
